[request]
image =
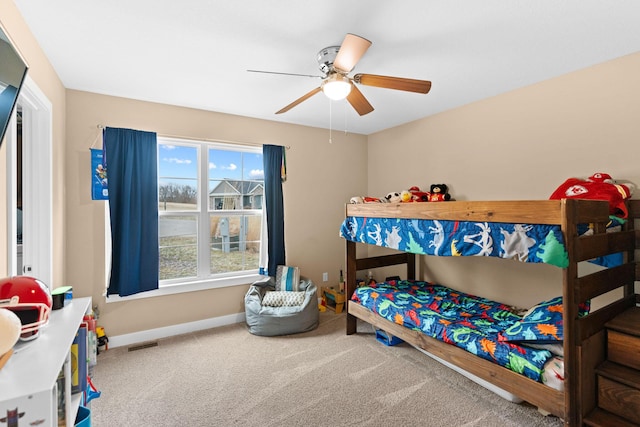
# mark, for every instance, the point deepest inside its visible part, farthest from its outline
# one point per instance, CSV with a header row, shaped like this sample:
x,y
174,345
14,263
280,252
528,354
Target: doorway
x,y
29,177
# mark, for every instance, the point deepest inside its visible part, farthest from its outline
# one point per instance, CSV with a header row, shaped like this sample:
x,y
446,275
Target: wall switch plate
x,y
325,277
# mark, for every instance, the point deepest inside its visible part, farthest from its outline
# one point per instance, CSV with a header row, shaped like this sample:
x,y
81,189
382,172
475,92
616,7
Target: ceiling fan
x,y
336,62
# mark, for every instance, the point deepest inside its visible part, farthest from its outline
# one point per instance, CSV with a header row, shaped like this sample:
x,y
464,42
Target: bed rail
x,y
533,392
519,211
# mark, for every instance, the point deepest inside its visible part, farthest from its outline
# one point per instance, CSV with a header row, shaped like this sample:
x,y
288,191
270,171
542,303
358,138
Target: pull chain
x,y
330,125
344,104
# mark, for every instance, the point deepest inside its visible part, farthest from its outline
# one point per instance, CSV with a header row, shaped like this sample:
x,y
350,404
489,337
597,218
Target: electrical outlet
x,y
325,277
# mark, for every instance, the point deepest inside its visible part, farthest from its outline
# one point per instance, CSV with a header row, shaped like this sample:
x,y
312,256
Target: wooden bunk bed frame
x,y
584,338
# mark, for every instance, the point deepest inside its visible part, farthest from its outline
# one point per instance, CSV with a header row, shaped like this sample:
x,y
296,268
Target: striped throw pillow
x,y
287,278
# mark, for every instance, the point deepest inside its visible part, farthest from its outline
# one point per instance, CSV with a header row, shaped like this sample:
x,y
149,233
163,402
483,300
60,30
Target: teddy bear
x,y
439,193
418,195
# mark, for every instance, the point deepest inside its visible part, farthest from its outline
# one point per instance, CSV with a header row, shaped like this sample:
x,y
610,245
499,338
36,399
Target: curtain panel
x,y
131,159
274,172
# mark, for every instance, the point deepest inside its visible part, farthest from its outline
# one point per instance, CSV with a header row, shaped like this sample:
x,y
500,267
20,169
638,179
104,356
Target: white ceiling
x,y
196,53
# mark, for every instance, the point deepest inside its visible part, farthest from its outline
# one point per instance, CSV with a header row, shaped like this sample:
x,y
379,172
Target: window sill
x,y
180,288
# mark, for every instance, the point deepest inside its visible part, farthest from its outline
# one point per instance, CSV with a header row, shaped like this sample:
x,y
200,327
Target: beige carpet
x,y
228,377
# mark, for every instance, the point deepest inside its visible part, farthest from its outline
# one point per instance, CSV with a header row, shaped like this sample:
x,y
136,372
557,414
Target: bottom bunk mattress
x,y
467,321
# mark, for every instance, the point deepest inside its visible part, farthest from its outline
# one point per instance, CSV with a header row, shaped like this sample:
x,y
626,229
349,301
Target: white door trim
x,y
37,187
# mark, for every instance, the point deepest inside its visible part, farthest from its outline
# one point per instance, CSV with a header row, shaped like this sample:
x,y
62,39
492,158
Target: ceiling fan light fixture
x,y
336,87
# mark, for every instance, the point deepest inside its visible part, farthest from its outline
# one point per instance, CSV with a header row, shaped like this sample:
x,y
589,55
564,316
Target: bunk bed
x,y
563,223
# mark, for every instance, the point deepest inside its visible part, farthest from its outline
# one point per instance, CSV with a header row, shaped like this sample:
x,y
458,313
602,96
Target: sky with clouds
x,y
180,164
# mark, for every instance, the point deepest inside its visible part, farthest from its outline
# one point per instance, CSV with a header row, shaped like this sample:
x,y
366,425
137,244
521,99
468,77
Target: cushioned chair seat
x,y
284,320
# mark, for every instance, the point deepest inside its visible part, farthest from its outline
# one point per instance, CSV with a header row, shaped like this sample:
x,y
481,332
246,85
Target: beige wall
x,y
519,145
321,177
43,74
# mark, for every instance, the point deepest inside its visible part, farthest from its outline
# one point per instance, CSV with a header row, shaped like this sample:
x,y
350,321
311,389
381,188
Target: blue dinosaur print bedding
x,y
467,321
523,242
534,243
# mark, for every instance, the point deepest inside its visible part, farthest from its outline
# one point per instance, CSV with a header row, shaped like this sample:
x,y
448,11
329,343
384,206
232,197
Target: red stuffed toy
x,y
598,186
417,195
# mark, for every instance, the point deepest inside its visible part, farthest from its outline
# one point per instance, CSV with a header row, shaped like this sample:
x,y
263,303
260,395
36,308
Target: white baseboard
x,y
169,331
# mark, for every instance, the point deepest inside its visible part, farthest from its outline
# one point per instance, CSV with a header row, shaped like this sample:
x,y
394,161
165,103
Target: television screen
x,y
12,73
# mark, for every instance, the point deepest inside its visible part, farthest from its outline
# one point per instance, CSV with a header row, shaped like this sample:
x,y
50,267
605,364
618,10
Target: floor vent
x,y
143,346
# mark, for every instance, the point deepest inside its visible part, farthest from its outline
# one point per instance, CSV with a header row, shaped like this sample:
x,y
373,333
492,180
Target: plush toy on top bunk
x,y
598,186
414,194
389,198
418,195
439,193
393,197
365,199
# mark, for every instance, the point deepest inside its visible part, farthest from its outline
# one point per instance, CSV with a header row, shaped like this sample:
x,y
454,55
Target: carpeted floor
x,y
228,377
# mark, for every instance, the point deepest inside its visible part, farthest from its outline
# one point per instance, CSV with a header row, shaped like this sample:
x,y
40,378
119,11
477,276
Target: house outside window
x,y
210,210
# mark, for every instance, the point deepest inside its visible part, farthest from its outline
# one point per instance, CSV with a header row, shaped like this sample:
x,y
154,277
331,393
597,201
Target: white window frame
x,y
183,285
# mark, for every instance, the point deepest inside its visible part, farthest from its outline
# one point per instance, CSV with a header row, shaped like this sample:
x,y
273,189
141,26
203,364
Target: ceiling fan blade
x,y
351,50
358,101
284,74
398,83
299,100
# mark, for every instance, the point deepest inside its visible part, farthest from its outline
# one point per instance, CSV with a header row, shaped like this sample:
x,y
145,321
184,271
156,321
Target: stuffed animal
x,y
598,186
406,197
366,199
439,193
393,197
418,195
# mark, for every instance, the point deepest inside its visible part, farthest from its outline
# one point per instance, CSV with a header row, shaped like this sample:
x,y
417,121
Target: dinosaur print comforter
x,y
523,242
534,243
460,319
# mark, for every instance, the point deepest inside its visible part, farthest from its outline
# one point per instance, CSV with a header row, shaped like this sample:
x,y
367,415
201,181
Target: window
x,y
210,210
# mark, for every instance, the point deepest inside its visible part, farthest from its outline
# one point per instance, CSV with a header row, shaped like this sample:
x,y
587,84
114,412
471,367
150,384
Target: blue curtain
x,y
274,172
131,161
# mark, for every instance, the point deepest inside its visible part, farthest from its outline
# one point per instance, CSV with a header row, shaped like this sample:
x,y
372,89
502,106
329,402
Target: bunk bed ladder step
x,y
601,418
618,377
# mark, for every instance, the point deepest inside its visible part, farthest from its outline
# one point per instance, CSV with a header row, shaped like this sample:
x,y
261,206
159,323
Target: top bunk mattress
x,y
531,243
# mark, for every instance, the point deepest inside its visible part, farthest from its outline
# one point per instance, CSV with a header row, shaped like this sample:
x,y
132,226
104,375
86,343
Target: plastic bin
x,y
386,338
83,418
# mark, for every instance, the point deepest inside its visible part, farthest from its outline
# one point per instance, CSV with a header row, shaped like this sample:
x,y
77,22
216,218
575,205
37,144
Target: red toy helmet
x,y
29,299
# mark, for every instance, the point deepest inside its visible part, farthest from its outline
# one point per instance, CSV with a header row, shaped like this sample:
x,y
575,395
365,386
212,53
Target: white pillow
x,y
553,373
283,299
